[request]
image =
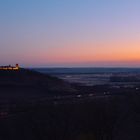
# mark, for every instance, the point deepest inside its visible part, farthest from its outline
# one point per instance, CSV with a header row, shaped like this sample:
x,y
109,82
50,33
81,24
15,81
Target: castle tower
x,y
17,66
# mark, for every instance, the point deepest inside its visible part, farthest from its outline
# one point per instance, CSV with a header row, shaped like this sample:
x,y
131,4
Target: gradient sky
x,y
70,33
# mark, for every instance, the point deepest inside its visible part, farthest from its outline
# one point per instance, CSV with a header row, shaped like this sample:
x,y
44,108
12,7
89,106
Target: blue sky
x,y
70,32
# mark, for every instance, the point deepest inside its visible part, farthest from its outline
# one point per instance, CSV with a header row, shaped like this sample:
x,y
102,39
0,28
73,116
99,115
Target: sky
x,y
70,33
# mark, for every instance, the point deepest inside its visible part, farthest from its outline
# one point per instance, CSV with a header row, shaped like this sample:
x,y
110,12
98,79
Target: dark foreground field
x,y
34,106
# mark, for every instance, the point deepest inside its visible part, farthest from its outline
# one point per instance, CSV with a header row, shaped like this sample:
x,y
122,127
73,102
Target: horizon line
x,y
69,67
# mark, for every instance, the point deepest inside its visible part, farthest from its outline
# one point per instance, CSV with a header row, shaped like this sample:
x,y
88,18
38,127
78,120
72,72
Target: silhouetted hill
x,y
26,85
26,77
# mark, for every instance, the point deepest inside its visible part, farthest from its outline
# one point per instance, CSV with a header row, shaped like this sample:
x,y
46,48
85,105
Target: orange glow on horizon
x,y
96,52
109,53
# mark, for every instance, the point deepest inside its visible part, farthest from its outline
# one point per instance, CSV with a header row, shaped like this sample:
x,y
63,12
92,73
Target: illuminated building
x,y
9,67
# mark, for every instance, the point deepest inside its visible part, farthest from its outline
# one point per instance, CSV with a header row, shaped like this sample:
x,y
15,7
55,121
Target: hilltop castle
x,y
9,67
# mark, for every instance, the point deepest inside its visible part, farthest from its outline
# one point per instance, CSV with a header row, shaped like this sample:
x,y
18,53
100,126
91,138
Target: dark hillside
x,y
26,80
